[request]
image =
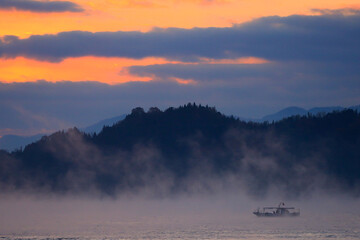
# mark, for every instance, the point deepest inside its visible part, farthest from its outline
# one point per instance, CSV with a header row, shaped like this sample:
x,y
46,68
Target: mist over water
x,y
207,216
160,183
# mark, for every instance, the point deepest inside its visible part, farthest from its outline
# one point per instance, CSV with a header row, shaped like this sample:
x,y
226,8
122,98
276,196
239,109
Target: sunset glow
x,y
106,70
127,15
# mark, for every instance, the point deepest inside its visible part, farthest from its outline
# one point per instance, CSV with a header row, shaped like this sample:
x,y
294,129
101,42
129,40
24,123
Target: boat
x,y
279,211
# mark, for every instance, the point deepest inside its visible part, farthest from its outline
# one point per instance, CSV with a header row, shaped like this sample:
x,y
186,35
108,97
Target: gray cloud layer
x,y
40,6
302,71
333,37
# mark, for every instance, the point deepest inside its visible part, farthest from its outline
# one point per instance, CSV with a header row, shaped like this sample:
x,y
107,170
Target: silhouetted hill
x,y
193,148
165,128
12,142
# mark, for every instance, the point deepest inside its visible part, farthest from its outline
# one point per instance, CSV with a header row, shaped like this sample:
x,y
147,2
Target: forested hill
x,y
193,149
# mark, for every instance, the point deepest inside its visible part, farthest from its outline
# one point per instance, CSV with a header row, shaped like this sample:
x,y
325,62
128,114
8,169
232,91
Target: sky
x,y
73,63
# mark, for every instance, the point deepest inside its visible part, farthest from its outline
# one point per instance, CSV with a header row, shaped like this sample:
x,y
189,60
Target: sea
x,y
179,219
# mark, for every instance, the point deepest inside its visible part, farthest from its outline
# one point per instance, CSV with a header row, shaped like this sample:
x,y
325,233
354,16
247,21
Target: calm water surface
x,y
345,226
212,219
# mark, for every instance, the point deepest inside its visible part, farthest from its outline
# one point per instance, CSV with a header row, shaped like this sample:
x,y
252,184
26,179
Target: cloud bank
x,y
324,38
40,6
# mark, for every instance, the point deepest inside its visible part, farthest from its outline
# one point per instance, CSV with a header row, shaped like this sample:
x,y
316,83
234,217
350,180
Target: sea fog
x,y
203,216
71,185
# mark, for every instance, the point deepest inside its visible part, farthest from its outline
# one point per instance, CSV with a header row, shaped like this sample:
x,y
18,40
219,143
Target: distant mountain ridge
x,y
12,142
293,111
97,127
284,113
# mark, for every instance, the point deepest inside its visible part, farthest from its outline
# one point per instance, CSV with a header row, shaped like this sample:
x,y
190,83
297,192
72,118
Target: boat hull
x,y
267,214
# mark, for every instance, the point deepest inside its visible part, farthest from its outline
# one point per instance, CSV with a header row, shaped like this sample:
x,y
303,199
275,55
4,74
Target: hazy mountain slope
x,y
193,149
97,127
355,108
294,111
287,112
12,142
318,110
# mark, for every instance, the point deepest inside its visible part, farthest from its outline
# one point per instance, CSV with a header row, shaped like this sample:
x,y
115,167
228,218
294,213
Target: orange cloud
x,y
245,60
106,70
184,81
